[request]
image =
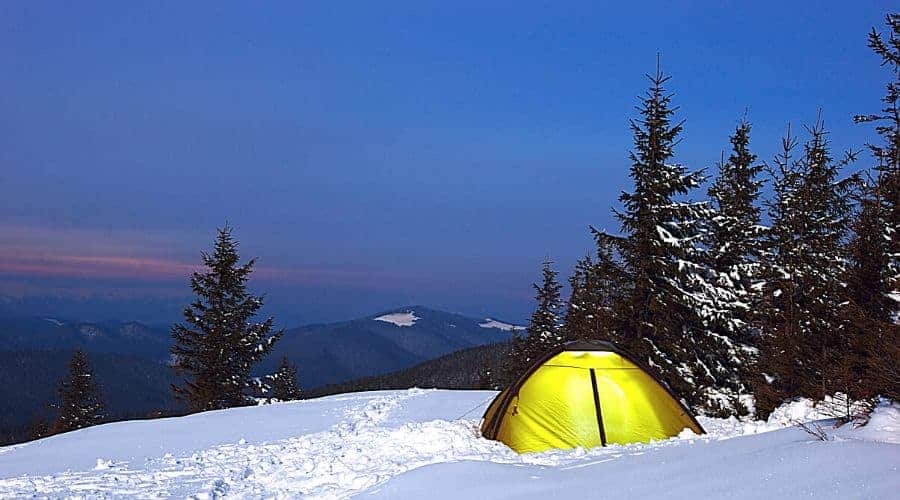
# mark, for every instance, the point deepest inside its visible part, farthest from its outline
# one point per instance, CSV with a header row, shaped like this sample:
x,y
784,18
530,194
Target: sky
x,y
369,154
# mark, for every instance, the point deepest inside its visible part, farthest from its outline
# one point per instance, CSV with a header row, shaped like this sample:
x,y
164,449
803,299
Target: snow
x,y
417,443
884,425
506,327
400,319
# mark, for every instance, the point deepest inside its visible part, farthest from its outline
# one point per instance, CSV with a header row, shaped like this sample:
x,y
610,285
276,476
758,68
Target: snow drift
x,y
404,444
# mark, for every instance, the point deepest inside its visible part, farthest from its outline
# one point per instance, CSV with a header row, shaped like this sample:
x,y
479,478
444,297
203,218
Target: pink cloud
x,y
91,266
40,254
38,263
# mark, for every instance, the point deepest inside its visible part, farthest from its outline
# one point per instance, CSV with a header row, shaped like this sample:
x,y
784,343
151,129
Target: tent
x,y
585,393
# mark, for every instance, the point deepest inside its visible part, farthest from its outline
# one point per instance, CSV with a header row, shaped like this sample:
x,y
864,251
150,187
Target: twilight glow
x,y
373,158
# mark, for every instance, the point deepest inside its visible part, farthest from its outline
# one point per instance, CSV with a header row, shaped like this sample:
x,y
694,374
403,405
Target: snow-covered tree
x,y
869,351
672,300
80,403
735,235
873,282
595,285
219,343
803,326
869,258
283,382
734,246
582,306
885,193
544,330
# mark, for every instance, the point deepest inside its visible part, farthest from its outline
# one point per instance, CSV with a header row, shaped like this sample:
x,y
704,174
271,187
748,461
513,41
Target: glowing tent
x,y
584,394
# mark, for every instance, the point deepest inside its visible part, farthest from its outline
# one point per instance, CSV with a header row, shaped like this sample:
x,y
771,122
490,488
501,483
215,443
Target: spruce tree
x,y
544,330
515,364
804,327
667,316
869,257
734,250
735,244
826,203
859,371
81,404
780,315
885,194
218,343
580,308
596,285
874,251
283,382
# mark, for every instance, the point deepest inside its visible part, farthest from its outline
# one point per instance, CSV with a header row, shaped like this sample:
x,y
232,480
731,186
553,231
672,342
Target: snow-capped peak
x,y
506,327
407,318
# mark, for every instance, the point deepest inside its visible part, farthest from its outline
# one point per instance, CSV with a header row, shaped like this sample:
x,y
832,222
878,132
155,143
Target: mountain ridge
x,y
335,352
324,353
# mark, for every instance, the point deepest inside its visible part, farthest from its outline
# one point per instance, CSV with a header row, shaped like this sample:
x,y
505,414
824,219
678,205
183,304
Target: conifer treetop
x,y
219,342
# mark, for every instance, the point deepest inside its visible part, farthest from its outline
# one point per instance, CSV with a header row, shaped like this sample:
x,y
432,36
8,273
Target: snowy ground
x,y
409,444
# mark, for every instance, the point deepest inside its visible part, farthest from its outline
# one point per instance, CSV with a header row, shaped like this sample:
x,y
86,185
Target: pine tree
x,y
780,315
80,404
869,279
581,306
595,286
886,191
544,331
283,382
874,251
735,247
859,371
735,236
218,344
804,328
827,208
672,301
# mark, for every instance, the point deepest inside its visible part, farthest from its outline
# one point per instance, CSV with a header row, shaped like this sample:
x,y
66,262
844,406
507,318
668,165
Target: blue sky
x,y
374,155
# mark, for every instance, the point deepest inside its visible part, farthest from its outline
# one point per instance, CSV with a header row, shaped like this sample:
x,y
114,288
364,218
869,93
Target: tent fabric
x,y
584,394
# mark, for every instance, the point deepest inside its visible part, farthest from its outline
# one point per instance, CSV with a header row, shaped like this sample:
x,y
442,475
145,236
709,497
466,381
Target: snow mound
x,y
883,425
806,410
506,327
408,318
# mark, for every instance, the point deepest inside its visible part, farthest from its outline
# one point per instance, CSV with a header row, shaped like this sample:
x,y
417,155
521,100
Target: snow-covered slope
x,y
417,443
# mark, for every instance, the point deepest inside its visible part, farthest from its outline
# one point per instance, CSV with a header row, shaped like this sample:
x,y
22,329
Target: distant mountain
x,y
49,333
464,369
131,357
381,343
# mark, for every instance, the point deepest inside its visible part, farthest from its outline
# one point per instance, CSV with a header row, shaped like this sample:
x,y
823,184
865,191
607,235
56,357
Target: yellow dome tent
x,y
587,394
